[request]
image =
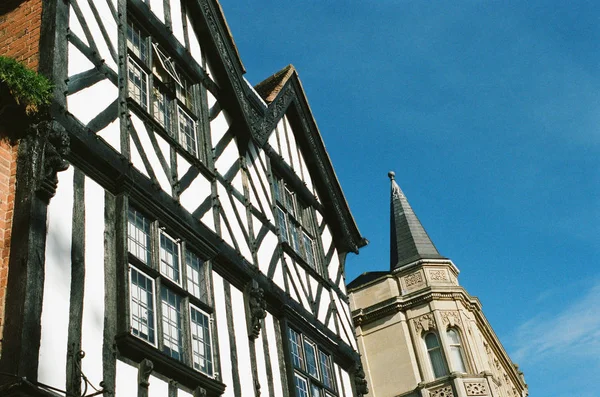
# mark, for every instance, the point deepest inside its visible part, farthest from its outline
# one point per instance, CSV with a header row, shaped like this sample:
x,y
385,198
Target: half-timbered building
x,y
176,231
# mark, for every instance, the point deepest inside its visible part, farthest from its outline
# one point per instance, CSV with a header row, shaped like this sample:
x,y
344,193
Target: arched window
x,y
456,351
435,355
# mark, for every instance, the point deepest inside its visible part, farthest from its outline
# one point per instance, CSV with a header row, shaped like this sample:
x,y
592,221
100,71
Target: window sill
x,y
135,349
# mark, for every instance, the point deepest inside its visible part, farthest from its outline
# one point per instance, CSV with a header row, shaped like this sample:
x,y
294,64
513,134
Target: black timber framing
x,y
118,176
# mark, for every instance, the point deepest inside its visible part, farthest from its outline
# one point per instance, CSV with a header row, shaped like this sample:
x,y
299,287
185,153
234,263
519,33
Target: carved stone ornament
x,y
424,323
50,147
445,391
476,389
360,382
413,279
450,318
258,310
438,275
144,371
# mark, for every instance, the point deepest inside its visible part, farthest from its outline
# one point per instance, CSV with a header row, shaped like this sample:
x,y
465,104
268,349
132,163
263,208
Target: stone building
x,y
167,229
419,332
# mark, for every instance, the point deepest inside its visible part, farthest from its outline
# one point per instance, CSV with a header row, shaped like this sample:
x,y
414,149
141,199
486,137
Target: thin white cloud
x,y
572,332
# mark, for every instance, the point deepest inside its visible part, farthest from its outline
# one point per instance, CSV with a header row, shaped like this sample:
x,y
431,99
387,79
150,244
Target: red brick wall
x,y
20,22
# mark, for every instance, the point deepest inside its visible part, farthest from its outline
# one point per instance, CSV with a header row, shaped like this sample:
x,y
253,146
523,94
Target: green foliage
x,y
28,89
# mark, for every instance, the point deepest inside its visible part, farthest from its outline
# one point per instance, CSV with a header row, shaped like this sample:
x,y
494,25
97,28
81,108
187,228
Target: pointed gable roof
x,y
409,241
270,87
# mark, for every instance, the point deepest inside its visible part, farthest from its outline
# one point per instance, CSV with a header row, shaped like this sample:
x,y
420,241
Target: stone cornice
x,y
398,304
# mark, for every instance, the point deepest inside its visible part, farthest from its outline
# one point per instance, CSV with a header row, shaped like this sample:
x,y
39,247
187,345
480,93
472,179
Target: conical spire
x,y
409,241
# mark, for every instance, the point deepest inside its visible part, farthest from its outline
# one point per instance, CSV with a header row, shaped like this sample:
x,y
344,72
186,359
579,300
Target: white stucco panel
x,y
93,300
334,266
218,127
151,155
229,156
136,159
77,61
265,252
75,27
126,384
57,285
158,387
195,194
182,166
106,19
243,346
323,306
177,21
261,367
326,238
157,7
101,94
195,48
209,220
112,135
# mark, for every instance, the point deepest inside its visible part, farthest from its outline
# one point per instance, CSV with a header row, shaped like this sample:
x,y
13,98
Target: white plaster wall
x,y
218,126
177,21
110,26
224,346
195,48
346,383
158,387
112,135
265,252
126,380
294,161
297,277
241,340
57,285
151,155
273,354
93,299
195,194
75,26
77,62
229,156
101,94
334,266
278,277
183,393
323,306
157,7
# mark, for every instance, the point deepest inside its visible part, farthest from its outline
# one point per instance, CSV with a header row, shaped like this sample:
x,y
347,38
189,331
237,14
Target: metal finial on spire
x,y
392,175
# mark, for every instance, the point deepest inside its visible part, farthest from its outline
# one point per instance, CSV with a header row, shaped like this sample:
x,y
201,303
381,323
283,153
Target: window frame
x,y
458,348
169,87
163,284
440,352
296,223
300,368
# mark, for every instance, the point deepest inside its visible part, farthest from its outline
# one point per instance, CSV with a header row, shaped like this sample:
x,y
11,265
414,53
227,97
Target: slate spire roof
x,y
409,241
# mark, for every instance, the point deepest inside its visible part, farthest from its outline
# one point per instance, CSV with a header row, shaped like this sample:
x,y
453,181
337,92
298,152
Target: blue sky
x,y
489,113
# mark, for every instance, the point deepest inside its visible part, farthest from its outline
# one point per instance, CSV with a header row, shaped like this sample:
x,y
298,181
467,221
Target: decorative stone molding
x,y
445,391
450,318
438,275
360,382
144,371
199,392
476,389
258,310
424,323
413,279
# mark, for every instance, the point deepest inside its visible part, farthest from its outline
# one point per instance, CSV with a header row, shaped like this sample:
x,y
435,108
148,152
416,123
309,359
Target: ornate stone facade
x,y
476,389
424,323
445,391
